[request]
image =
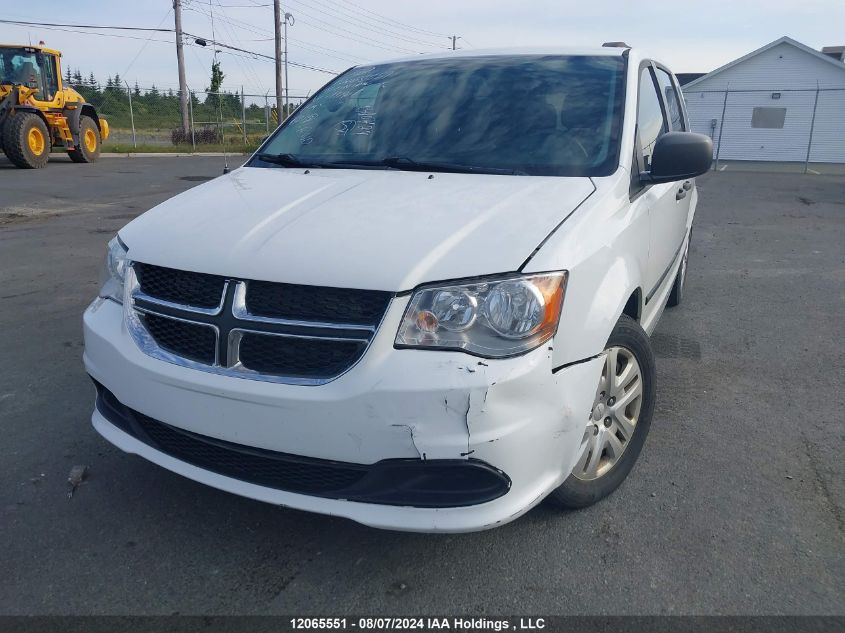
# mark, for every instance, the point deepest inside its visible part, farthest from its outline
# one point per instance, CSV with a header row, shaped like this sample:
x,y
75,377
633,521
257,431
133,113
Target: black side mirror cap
x,y
678,156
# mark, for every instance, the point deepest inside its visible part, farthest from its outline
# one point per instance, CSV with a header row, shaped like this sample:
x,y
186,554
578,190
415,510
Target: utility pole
x,y
180,60
288,20
277,24
454,39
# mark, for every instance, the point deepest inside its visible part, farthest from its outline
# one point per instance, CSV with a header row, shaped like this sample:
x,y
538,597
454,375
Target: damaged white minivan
x,y
424,303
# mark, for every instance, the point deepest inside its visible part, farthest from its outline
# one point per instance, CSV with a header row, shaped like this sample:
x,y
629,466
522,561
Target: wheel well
x,y
88,110
633,307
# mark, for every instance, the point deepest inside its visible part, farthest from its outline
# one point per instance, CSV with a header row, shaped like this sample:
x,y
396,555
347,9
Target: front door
x,y
668,203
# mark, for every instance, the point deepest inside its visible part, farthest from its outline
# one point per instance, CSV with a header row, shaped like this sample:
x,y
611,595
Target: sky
x,y
336,34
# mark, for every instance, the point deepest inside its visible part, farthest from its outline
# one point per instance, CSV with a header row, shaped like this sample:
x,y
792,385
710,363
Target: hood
x,y
369,229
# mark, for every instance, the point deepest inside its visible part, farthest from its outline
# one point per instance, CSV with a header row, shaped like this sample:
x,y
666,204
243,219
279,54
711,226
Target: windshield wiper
x,y
408,164
286,160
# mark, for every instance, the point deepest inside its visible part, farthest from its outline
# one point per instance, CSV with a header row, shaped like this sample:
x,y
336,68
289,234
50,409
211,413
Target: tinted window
x,y
676,118
539,115
650,121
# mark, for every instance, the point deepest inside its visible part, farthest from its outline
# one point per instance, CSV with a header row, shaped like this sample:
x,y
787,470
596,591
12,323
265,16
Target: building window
x,y
768,117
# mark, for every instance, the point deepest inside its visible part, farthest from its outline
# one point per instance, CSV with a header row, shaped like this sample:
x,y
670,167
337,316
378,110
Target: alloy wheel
x,y
613,418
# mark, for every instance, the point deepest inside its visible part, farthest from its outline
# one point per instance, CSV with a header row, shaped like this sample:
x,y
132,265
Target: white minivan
x,y
424,303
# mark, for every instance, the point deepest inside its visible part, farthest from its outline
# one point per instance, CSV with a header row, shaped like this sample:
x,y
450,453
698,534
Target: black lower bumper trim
x,y
438,483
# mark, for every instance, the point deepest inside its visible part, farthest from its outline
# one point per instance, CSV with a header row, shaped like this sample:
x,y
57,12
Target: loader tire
x,y
88,150
26,141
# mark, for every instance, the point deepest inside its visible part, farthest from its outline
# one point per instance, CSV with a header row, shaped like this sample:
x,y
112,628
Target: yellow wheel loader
x,y
38,114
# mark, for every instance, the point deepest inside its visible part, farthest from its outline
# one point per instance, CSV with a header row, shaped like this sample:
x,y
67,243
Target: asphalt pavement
x,y
735,507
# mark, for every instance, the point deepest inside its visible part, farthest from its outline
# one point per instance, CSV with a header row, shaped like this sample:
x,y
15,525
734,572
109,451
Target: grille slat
x,y
289,356
179,286
314,303
193,341
264,331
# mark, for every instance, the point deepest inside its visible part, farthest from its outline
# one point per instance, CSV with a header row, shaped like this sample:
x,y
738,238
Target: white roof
x,y
605,51
782,40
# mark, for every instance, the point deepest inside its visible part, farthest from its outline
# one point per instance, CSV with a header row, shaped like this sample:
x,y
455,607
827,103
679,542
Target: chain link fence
x,y
149,119
790,126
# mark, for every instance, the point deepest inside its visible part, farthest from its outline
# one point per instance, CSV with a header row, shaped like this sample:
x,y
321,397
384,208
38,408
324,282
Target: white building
x,y
775,103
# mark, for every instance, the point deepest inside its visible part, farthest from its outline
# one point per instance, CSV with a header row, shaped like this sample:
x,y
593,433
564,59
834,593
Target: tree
x,y
217,76
136,92
68,76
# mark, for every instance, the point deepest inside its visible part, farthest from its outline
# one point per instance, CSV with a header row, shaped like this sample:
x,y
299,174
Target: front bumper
x,y
513,415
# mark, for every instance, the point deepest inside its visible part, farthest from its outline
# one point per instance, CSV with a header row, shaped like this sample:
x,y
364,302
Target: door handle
x,y
681,194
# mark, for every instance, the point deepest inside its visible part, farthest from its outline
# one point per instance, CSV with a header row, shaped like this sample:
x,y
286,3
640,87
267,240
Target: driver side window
x,y
651,123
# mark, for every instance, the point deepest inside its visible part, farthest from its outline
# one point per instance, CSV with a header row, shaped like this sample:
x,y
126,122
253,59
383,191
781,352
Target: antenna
x,y
223,134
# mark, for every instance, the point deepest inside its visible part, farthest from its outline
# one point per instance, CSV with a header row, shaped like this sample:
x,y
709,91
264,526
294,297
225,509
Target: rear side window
x,y
676,116
650,121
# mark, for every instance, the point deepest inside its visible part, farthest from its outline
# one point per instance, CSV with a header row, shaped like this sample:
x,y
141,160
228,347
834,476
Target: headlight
x,y
491,318
114,271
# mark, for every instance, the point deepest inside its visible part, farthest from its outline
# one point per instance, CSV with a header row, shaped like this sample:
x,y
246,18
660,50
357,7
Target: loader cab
x,y
33,67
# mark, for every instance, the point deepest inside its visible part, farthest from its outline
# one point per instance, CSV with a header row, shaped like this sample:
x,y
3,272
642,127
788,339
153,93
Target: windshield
x,y
28,67
535,115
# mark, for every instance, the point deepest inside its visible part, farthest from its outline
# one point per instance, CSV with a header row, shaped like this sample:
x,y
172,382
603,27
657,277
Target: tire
x,y
88,150
26,140
586,486
676,295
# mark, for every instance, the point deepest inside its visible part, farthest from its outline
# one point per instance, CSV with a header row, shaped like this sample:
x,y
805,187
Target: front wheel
x,y
88,149
26,140
619,420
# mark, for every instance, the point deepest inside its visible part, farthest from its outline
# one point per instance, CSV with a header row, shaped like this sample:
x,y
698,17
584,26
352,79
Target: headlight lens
x,y
491,318
113,274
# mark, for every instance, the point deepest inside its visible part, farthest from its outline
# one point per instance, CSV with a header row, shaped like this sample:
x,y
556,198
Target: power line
x,y
124,37
247,67
350,35
365,25
54,26
87,26
260,55
144,46
328,28
386,20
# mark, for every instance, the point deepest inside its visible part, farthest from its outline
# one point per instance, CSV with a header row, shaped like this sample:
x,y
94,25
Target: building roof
x,y
782,40
685,78
837,52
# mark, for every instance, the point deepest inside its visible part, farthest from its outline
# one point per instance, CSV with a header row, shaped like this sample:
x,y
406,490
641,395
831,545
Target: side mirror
x,y
678,156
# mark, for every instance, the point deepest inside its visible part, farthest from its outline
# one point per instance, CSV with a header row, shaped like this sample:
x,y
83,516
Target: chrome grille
x,y
259,330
